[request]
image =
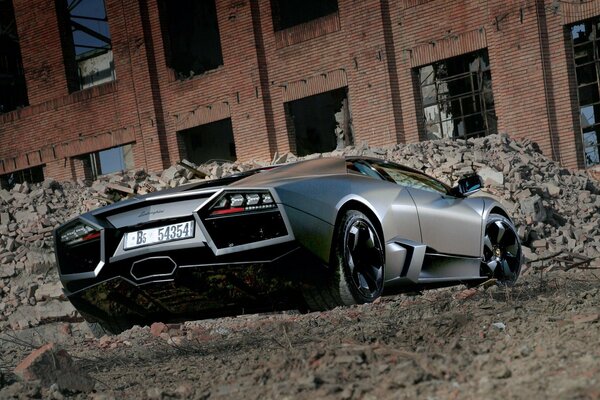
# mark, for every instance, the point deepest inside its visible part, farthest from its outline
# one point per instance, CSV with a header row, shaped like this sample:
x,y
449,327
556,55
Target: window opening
x,y
457,97
87,43
288,13
320,123
29,175
208,142
13,90
584,39
192,42
107,161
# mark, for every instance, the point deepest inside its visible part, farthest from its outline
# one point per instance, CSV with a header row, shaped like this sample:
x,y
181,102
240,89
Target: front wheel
x,y
501,250
357,264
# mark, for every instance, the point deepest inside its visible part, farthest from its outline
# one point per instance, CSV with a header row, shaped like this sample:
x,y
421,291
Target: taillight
x,y
78,233
78,247
237,202
240,217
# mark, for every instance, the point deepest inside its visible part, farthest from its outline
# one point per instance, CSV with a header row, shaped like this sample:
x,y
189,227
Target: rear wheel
x,y
501,250
357,263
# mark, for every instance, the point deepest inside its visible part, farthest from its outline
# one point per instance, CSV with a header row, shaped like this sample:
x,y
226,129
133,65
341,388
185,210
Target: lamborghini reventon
x,y
311,235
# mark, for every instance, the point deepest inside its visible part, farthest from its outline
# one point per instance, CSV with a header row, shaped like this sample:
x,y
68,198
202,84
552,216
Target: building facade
x,y
91,86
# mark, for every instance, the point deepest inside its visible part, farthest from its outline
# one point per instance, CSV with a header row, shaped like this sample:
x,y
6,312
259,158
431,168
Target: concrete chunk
x,y
534,208
52,290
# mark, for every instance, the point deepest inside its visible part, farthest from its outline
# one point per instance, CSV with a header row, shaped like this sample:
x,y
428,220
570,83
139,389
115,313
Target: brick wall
x,y
371,47
58,125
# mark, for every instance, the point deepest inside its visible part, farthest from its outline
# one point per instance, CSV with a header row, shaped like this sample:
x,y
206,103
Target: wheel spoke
x,y
487,242
492,265
351,264
363,284
508,274
370,242
378,272
512,260
372,272
353,237
513,248
500,233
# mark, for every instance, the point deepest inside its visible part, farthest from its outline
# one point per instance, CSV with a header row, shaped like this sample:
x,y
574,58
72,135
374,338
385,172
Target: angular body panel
x,y
450,225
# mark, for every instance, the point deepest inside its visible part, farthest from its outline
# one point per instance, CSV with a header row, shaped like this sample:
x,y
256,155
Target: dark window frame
x,y
13,88
287,18
300,141
586,65
191,139
29,175
84,35
172,58
470,113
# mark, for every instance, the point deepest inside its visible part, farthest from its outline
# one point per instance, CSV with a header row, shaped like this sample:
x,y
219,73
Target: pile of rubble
x,y
555,209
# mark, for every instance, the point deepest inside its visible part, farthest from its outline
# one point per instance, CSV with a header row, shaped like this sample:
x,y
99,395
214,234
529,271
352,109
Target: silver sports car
x,y
311,235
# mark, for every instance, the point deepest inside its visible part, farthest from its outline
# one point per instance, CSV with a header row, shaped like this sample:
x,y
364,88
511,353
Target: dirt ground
x,y
539,339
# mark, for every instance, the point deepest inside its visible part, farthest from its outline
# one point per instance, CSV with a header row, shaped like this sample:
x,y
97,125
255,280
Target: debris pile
x,y
555,209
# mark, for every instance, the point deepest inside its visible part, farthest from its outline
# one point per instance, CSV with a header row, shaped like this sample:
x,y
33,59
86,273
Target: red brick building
x,y
146,83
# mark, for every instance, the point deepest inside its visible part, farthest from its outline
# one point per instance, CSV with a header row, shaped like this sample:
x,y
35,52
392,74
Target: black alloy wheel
x,y
362,257
501,250
356,268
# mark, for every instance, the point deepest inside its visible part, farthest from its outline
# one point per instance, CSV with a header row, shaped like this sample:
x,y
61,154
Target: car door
x,y
449,224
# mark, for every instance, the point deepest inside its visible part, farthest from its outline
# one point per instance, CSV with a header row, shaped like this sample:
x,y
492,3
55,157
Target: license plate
x,y
167,233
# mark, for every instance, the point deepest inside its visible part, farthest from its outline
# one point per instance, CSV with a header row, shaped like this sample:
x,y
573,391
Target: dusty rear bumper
x,y
195,291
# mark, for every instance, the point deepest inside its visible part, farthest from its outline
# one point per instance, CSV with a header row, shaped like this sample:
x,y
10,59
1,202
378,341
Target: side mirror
x,y
468,185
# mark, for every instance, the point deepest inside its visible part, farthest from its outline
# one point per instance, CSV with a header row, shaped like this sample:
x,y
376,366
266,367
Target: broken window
x,y
320,123
208,142
585,39
105,162
13,91
87,46
457,97
288,13
192,42
29,175
113,160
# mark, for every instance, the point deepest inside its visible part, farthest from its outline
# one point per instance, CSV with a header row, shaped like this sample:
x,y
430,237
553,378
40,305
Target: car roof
x,y
300,169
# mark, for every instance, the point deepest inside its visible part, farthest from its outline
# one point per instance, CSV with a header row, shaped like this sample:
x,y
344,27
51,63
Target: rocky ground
x,y
537,339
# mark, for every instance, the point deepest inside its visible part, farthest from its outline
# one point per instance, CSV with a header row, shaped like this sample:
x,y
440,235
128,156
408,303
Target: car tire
x,y
502,255
357,265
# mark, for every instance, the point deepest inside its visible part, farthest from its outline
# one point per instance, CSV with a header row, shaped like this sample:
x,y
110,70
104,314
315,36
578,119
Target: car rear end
x,y
173,256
